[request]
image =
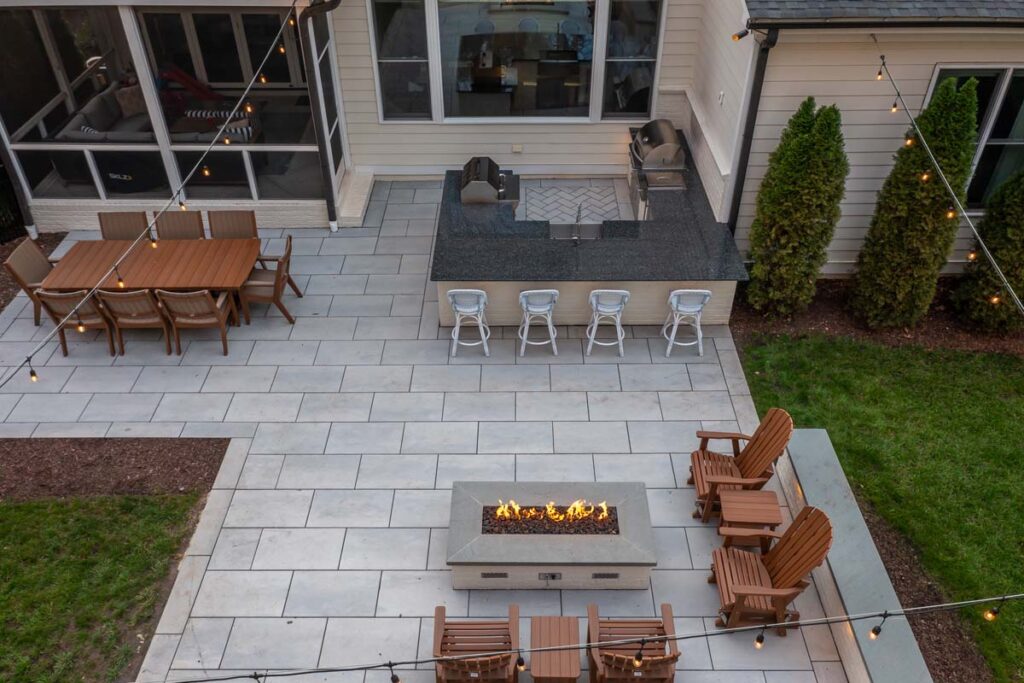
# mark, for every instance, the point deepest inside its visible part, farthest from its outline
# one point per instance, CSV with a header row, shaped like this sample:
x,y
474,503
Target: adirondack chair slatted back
x,y
464,638
620,666
802,548
660,656
766,444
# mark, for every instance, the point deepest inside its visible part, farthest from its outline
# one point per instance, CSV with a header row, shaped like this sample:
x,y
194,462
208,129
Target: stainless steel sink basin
x,y
569,231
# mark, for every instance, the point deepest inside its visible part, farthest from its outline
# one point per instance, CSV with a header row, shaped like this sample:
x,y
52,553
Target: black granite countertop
x,y
680,241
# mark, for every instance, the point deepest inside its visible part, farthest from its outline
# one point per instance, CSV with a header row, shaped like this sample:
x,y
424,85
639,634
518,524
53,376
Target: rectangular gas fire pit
x,y
603,541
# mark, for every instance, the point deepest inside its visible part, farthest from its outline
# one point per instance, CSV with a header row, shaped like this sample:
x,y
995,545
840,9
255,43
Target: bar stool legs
x,y
537,304
685,308
469,305
608,305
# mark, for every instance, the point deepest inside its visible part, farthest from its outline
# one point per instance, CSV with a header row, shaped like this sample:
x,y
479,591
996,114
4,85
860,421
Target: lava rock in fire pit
x,y
543,524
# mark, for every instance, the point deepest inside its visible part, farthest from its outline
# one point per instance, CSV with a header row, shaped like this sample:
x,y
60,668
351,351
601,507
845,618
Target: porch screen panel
x,y
216,38
631,58
501,59
400,35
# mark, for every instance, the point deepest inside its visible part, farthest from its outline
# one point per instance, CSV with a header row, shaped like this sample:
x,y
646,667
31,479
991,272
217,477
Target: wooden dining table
x,y
177,265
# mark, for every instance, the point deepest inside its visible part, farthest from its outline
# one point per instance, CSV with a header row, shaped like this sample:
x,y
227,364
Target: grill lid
x,y
657,145
481,169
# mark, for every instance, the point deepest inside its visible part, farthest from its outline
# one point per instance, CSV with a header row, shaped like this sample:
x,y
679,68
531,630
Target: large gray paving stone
x,y
515,437
625,405
414,593
470,467
290,643
354,640
618,603
415,352
242,594
192,407
551,406
308,380
388,328
314,471
397,471
372,378
299,549
120,407
477,406
397,407
88,380
336,284
361,305
697,405
557,467
687,590
369,264
202,644
49,407
171,379
654,378
333,594
287,508
672,507
365,437
235,549
260,471
228,379
591,437
515,378
359,508
328,407
308,437
663,437
672,548
284,353
437,437
264,407
653,469
317,329
212,353
385,549
421,508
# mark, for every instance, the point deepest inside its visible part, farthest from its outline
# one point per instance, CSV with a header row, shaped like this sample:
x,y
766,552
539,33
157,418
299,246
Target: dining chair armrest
x,y
222,299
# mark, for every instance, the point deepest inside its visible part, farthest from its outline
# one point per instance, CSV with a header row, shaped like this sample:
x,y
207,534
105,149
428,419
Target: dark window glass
x,y
218,47
288,175
505,59
997,164
72,31
405,90
260,33
132,175
167,39
222,175
988,80
321,33
1009,123
631,58
336,150
26,80
327,84
58,174
401,29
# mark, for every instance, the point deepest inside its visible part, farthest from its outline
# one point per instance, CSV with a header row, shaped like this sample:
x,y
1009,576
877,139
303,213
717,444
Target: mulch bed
x,y
47,241
543,525
828,315
948,649
57,468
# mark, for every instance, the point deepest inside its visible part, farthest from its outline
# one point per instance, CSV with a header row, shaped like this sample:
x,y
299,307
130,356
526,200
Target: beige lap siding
x,y
839,67
396,148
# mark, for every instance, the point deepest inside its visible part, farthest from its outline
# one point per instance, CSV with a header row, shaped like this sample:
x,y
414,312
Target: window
x,y
167,40
1000,151
400,32
631,58
216,37
516,59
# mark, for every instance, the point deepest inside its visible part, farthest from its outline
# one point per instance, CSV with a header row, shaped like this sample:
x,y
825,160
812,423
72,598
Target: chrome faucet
x,y
577,231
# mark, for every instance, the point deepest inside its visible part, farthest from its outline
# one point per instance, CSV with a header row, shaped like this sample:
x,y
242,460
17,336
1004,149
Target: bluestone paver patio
x,y
323,541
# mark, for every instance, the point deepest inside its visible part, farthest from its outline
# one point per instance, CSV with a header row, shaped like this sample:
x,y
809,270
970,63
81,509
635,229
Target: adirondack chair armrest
x,y
764,591
513,626
719,480
439,618
669,625
740,532
735,437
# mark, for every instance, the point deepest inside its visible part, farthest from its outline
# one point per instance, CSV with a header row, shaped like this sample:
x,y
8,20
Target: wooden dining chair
x,y
267,286
133,311
195,310
232,225
88,317
180,225
29,266
122,225
238,225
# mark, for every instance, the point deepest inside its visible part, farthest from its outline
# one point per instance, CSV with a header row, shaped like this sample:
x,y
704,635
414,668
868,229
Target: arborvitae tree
x,y
912,231
797,210
1002,228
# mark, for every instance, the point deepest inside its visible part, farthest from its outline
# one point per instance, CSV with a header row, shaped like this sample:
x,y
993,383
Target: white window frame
x,y
602,13
998,97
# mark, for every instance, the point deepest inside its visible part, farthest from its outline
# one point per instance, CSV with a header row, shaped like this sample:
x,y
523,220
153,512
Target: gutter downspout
x,y
748,127
309,57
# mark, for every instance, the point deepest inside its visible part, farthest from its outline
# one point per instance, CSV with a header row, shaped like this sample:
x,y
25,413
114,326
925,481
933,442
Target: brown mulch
x,y
56,468
828,315
949,651
47,241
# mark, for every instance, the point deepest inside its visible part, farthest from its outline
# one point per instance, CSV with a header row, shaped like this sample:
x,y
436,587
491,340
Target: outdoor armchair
x,y
194,310
29,266
88,317
135,310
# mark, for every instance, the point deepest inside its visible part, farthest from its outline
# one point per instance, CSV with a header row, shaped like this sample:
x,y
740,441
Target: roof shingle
x,y
885,9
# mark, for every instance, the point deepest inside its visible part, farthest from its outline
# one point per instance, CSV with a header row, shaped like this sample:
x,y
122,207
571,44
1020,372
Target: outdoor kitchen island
x,y
680,246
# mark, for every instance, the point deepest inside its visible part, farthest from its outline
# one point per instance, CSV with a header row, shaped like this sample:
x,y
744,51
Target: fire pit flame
x,y
578,510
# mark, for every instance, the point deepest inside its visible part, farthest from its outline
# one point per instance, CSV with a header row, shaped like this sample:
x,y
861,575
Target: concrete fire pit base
x,y
503,561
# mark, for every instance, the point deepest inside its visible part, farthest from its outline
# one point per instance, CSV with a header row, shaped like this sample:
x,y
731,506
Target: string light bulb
x,y
31,370
248,107
759,640
152,242
895,106
291,21
972,255
263,79
992,613
876,630
950,213
909,142
80,326
740,35
227,139
925,177
120,280
520,663
206,171
280,48
181,205
879,76
995,299
638,658
394,676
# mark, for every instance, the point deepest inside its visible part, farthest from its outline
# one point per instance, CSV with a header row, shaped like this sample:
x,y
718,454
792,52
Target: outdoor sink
x,y
568,231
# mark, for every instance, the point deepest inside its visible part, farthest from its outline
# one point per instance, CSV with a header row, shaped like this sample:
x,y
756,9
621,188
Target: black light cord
x,y
175,198
760,628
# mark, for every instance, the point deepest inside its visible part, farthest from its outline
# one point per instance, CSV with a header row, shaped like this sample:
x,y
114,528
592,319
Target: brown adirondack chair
x,y
615,663
29,266
747,468
462,638
756,588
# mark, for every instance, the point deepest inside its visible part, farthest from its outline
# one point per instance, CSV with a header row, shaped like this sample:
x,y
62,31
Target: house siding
x,y
400,148
839,67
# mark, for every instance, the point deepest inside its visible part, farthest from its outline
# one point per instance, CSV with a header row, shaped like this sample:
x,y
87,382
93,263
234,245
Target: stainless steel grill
x,y
656,146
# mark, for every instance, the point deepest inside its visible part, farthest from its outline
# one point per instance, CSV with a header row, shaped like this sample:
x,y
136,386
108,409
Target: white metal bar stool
x,y
469,305
685,307
537,304
607,304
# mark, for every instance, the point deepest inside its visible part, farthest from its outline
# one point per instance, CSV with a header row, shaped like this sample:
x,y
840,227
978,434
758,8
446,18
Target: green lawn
x,y
935,442
76,578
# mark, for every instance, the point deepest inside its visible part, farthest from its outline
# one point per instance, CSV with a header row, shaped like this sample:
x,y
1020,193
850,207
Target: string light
x,y
638,658
280,48
248,107
925,177
895,106
909,142
740,35
992,613
291,21
876,630
972,255
31,370
227,139
152,241
120,280
950,213
521,663
206,171
995,299
759,640
80,326
263,79
394,676
879,75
